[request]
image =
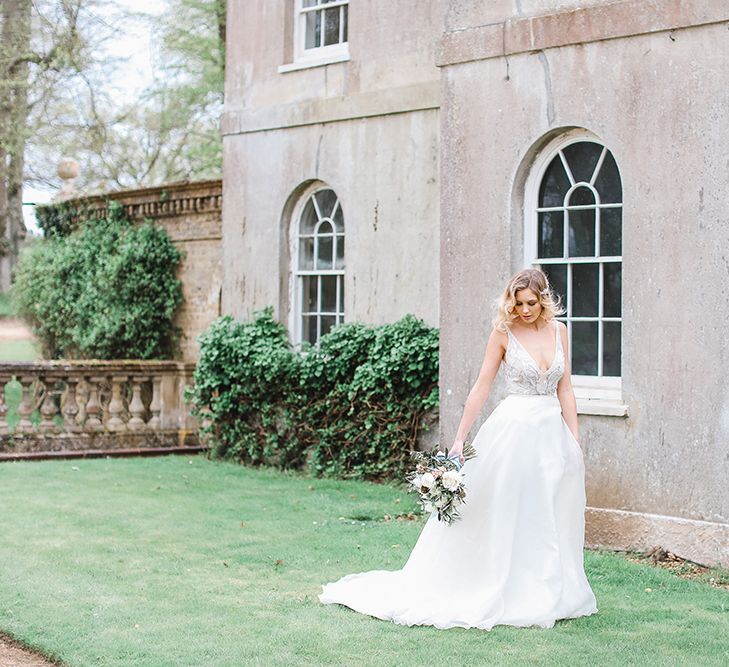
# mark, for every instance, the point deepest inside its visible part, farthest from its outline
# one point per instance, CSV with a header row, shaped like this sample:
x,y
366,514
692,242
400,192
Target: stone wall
x,y
191,215
367,127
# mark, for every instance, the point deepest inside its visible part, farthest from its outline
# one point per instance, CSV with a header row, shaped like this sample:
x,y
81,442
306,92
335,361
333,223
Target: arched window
x,y
319,265
574,213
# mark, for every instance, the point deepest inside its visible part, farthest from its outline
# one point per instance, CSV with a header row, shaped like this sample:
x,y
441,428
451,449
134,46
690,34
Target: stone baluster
x,y
70,408
4,429
136,407
116,404
155,405
93,404
48,408
26,405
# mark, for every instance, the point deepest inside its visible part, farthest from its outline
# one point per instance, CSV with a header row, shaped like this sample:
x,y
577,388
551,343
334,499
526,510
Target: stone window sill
x,y
314,62
601,406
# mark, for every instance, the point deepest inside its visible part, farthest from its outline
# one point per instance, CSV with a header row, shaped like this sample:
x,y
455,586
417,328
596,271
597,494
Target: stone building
x,y
451,143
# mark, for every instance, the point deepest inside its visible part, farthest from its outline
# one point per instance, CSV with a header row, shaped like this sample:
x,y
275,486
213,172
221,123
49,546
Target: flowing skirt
x,y
515,557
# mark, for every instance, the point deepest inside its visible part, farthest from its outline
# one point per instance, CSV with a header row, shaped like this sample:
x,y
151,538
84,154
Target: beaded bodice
x,y
522,374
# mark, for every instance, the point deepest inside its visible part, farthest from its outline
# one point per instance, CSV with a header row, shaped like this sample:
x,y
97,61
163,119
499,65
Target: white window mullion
x,y
600,329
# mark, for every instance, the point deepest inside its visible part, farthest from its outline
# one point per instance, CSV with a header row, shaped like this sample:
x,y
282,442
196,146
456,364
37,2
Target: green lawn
x,y
182,561
18,350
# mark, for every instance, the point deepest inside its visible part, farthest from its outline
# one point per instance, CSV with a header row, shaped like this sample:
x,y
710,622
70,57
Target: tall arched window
x,y
319,265
574,233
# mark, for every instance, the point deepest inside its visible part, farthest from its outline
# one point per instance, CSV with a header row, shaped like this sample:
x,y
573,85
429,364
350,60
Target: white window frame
x,y
321,55
600,395
296,274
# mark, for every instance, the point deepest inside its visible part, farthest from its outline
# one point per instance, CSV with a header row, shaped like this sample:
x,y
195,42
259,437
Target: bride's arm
x,y
565,393
495,349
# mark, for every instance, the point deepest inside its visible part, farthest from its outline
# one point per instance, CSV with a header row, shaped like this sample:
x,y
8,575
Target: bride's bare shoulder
x,y
498,337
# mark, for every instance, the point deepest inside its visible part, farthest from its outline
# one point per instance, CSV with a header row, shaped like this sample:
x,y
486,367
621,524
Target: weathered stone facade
x,y
433,169
353,127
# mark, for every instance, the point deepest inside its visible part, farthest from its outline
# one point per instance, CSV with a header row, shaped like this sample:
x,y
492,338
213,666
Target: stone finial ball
x,y
68,168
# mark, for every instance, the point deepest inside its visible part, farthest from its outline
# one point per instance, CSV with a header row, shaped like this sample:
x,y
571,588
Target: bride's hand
x,y
457,448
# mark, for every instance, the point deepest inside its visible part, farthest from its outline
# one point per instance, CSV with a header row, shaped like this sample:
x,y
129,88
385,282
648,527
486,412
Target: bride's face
x,y
527,306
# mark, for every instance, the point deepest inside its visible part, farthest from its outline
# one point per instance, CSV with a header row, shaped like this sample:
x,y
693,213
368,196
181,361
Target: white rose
x,y
428,507
417,483
427,480
451,480
440,502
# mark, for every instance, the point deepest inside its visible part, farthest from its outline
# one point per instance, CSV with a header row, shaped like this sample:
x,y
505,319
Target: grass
x,y
184,561
18,350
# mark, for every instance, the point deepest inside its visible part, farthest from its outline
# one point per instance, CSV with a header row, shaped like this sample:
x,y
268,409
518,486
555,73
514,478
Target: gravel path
x,y
13,329
14,655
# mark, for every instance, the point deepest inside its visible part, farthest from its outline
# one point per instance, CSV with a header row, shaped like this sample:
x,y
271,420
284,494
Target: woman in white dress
x,y
515,557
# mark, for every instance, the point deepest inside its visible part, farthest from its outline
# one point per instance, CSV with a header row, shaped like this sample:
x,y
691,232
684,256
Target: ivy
x,y
352,408
105,290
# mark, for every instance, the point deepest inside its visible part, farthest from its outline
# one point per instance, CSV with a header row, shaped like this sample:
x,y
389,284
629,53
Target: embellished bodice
x,y
521,372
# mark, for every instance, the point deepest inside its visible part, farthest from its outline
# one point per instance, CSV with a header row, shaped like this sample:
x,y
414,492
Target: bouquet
x,y
439,481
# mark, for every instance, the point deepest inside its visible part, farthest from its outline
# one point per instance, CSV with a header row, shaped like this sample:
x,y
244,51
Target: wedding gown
x,y
515,557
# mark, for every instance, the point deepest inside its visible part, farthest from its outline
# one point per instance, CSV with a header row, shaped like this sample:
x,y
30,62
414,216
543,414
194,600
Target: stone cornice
x,y
417,97
577,26
163,201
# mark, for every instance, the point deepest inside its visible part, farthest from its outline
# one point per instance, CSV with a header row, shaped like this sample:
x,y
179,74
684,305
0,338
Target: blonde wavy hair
x,y
536,281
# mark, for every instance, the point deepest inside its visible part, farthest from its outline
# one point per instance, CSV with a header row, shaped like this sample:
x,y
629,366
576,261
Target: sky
x,y
135,47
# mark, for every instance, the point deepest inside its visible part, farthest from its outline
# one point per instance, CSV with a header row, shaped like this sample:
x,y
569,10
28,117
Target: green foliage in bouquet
x,y
106,290
353,407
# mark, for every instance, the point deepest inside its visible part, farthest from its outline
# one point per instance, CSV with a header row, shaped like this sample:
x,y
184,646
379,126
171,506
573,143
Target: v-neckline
x,y
534,361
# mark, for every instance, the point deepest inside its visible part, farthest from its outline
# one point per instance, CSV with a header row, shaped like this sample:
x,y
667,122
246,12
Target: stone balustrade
x,y
92,405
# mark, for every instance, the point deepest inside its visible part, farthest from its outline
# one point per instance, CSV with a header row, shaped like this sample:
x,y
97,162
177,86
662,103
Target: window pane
x,y
306,253
608,183
554,185
340,252
551,234
557,277
585,279
327,323
582,197
313,30
338,218
309,3
611,349
309,294
582,159
308,219
345,19
308,328
340,305
582,233
328,294
611,231
584,348
325,228
325,246
612,274
326,199
331,26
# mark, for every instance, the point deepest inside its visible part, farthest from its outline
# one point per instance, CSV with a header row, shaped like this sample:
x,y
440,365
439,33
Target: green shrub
x,y
106,290
351,408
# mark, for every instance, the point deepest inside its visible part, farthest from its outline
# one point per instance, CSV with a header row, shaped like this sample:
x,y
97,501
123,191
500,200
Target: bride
x,y
515,557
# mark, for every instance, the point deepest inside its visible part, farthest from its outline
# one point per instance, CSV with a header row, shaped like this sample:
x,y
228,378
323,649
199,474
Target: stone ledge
x,y
576,26
416,97
31,443
703,542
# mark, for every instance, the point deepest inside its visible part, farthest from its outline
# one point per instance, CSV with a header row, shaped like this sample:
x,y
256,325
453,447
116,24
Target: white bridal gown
x,y
515,557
